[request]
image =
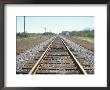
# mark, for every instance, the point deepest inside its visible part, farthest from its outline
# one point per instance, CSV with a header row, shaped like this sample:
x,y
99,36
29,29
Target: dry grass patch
x,y
84,41
23,44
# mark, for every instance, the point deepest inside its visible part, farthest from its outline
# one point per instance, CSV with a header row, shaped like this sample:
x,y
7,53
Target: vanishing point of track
x,y
57,59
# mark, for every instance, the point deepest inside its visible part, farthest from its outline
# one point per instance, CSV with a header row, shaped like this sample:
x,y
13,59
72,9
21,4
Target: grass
x,y
88,39
86,42
23,44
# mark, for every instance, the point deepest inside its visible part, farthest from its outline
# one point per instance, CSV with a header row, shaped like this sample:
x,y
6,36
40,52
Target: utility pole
x,y
24,24
45,28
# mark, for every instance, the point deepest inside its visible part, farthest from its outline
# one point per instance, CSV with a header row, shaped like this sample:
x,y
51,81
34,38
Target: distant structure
x,y
66,33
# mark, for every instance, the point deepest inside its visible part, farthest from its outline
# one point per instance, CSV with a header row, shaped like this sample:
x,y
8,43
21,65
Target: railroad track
x,y
57,59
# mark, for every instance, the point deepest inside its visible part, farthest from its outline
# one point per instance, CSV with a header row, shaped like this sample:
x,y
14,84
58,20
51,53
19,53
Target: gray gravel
x,y
29,54
83,52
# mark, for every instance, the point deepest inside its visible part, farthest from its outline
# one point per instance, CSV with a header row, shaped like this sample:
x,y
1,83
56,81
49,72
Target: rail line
x,y
57,59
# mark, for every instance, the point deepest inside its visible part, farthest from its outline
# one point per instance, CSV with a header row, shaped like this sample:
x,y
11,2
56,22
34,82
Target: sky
x,y
55,24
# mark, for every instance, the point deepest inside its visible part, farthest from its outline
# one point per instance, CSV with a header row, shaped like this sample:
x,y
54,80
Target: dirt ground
x,y
83,43
26,43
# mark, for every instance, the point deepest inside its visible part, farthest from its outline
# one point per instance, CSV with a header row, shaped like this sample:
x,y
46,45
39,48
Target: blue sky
x,y
55,24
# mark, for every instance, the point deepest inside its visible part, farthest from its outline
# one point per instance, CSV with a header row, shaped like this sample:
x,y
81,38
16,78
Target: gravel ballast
x,y
29,54
81,52
87,54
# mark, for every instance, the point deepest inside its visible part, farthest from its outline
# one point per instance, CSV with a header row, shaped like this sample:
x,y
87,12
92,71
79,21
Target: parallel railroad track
x,y
57,59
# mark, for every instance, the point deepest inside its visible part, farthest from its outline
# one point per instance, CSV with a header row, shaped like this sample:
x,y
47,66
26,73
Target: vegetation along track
x,y
57,59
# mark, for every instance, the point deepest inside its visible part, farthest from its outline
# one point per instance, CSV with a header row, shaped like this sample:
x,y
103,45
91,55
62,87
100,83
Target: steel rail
x,y
33,70
76,61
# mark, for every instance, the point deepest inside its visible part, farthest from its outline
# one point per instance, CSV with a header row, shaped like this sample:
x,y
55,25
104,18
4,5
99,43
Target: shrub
x,y
22,34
